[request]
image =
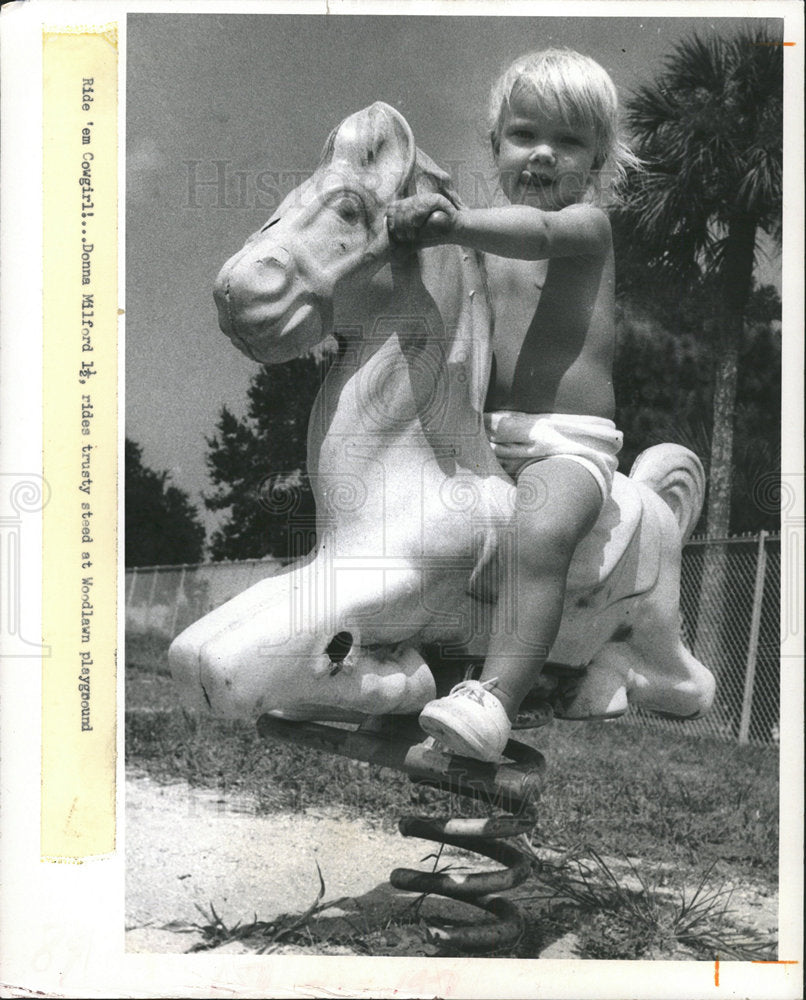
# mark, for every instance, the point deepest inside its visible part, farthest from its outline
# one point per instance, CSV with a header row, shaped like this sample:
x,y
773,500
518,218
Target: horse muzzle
x,y
266,308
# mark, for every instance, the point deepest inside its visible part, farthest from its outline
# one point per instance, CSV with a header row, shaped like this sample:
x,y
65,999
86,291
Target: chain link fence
x,y
730,599
164,600
730,605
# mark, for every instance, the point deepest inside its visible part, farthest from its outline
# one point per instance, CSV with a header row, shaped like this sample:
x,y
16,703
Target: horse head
x,y
274,296
393,441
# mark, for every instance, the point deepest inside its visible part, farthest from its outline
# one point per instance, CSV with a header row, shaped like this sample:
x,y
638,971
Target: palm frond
x,y
698,63
709,131
761,180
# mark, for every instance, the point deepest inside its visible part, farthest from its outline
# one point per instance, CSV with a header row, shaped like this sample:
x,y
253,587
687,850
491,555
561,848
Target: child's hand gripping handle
x,y
423,220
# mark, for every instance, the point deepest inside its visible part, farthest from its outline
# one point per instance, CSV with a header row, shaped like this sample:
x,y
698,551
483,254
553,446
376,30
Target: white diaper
x,y
519,439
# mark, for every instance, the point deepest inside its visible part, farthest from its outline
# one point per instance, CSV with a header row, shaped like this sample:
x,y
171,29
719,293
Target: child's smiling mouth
x,y
535,180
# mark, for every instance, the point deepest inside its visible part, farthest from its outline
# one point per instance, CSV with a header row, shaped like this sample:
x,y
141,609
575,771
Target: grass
x,y
618,911
701,803
613,914
214,932
637,792
315,931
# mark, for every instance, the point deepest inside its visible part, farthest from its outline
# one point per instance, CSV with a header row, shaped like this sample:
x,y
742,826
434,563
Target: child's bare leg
x,y
558,503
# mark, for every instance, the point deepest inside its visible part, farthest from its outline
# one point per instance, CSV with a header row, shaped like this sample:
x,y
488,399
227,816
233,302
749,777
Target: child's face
x,y
542,160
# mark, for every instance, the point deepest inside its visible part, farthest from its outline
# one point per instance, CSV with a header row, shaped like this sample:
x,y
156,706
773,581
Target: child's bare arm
x,y
518,231
531,234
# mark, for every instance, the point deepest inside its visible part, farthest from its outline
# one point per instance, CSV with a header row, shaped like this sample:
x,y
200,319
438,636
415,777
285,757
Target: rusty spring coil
x,y
512,787
482,836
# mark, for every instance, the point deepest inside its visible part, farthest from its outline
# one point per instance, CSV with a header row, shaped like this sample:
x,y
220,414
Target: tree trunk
x,y
720,479
713,619
736,283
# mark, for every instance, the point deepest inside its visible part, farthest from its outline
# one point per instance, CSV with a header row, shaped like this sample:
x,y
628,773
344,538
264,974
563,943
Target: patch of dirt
x,y
194,858
188,848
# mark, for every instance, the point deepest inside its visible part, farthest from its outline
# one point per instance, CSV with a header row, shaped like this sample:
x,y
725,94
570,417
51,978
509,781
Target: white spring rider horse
x,y
412,506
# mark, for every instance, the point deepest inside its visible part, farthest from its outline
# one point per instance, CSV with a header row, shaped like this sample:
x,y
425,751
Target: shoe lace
x,y
471,683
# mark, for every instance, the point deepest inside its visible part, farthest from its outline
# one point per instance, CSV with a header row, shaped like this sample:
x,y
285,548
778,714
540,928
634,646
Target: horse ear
x,y
378,144
428,177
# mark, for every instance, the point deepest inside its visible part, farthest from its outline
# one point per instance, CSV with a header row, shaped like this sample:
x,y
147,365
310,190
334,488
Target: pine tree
x,y
258,465
162,525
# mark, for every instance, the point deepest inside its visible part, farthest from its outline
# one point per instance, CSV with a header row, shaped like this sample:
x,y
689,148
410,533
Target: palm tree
x,y
709,130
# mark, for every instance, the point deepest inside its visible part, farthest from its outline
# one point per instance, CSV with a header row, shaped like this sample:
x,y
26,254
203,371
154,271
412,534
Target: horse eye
x,y
349,208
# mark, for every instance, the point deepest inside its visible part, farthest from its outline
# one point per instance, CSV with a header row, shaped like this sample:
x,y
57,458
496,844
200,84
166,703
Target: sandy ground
x,y
188,848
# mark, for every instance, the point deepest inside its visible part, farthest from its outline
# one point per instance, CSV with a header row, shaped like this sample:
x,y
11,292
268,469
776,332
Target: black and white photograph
x,y
379,268
402,506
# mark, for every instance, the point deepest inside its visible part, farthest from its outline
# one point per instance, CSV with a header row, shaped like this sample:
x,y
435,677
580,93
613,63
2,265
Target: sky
x,y
246,101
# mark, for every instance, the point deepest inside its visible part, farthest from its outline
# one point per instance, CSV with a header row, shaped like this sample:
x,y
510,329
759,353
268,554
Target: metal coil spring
x,y
512,786
482,836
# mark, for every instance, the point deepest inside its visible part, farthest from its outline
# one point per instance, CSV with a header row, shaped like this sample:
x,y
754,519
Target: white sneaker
x,y
470,721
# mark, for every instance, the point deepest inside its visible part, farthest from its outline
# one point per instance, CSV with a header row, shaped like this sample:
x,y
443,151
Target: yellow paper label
x,y
80,449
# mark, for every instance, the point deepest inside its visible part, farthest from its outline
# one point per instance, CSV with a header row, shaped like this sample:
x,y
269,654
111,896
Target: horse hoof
x,y
589,704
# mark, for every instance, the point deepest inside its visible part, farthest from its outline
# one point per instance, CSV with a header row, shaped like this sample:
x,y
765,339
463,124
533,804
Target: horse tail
x,y
677,476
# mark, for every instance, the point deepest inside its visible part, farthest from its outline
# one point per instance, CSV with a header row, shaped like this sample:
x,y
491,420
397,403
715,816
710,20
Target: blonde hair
x,y
574,86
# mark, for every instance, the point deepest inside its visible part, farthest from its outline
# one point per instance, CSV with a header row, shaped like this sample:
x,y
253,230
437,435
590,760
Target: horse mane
x,y
429,177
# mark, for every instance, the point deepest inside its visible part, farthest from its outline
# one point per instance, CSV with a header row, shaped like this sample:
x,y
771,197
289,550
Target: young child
x,y
550,421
